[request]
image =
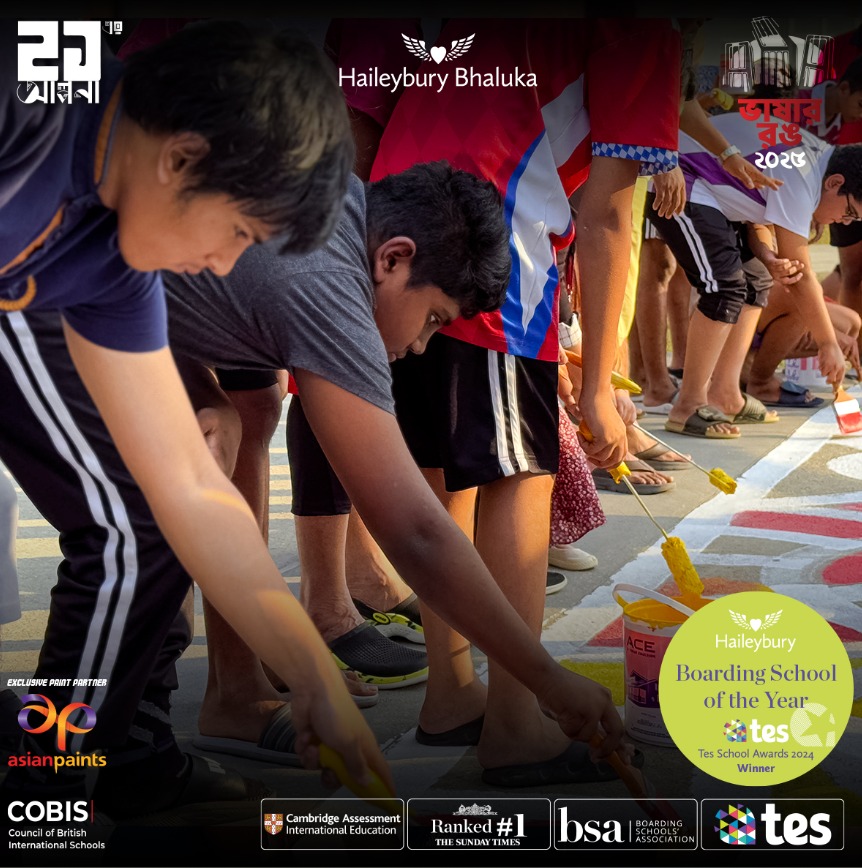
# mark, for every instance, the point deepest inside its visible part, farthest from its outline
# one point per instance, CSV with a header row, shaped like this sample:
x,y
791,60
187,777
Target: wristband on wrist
x,y
728,152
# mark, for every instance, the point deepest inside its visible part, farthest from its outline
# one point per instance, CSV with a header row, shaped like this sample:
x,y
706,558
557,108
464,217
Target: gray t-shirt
x,y
314,312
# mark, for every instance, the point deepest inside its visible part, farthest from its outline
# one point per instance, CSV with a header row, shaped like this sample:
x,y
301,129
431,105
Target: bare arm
x,y
695,122
807,294
604,245
213,533
435,558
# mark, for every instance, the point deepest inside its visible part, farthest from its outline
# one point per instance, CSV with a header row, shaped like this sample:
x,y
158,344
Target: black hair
x,y
846,160
456,221
271,111
853,75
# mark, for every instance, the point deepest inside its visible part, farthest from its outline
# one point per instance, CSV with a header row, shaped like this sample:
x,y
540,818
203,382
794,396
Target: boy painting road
x,y
168,171
393,273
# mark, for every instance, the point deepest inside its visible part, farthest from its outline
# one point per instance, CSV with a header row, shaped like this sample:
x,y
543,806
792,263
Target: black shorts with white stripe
x,y
115,610
712,251
478,414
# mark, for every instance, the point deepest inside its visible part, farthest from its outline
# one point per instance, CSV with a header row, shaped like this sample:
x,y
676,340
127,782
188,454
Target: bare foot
x,y
333,618
680,414
450,708
638,441
536,738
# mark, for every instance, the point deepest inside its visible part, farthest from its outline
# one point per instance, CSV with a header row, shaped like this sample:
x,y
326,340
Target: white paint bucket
x,y
648,626
804,372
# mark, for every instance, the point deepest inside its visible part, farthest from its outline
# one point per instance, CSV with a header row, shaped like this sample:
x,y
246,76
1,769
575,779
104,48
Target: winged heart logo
x,y
438,53
755,624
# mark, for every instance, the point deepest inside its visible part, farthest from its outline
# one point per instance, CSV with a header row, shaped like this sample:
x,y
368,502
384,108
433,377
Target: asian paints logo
x,y
45,707
39,62
439,56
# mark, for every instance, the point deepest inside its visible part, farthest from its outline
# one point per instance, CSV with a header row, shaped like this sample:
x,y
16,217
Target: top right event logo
x,y
776,59
775,62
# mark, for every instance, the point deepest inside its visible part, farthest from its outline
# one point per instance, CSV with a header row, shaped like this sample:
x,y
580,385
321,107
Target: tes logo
x,y
40,704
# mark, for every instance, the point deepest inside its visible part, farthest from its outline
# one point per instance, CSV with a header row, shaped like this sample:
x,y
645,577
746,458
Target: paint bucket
x,y
804,372
648,626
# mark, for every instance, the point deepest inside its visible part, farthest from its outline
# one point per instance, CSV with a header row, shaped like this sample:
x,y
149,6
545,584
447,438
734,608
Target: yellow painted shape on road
x,y
32,522
608,674
281,516
279,470
38,547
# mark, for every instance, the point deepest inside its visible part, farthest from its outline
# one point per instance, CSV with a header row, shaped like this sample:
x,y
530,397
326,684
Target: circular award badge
x,y
756,688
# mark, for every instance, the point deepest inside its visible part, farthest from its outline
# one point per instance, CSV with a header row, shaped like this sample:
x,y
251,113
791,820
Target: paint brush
x,y
716,476
376,791
847,412
618,381
641,789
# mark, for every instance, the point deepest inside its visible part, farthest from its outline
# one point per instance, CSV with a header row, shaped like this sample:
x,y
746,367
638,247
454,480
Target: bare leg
x,y
781,329
512,538
320,540
370,576
239,698
453,694
678,315
706,339
656,268
850,259
724,391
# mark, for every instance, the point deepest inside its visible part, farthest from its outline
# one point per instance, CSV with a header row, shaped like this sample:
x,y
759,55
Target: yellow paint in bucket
x,y
648,626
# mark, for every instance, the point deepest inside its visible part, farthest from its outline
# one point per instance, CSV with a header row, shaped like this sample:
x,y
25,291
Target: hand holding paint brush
x,y
716,476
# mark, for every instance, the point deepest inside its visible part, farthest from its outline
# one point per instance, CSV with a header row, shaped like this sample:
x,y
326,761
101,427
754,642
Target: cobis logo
x,y
42,705
48,812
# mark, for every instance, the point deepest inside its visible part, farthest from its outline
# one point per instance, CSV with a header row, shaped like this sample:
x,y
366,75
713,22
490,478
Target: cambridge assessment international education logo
x,y
273,823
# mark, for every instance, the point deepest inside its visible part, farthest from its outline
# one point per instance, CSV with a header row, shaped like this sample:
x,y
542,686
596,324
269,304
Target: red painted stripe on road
x,y
807,524
844,571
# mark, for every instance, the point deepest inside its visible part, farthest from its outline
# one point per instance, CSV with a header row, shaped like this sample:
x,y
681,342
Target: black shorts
x,y
315,488
478,414
845,234
716,259
245,381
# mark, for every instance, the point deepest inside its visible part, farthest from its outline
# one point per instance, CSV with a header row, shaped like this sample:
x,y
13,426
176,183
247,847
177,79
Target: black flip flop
x,y
572,766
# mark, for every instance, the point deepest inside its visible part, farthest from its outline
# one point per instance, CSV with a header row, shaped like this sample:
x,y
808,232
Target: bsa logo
x,y
273,823
42,705
438,53
81,60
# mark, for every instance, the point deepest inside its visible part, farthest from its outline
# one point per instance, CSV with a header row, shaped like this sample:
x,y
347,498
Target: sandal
x,y
754,412
605,482
648,456
700,422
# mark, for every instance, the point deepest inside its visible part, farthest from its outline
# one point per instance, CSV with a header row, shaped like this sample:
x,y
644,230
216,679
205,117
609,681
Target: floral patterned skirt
x,y
575,505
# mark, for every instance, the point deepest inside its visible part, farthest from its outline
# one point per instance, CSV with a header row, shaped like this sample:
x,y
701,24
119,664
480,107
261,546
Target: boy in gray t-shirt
x,y
417,250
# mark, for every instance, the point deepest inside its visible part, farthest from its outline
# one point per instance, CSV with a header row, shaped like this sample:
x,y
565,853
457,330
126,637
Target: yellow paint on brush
x,y
617,473
681,568
331,759
722,481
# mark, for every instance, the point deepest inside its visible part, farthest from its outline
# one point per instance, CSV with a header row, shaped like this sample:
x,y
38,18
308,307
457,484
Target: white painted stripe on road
x,y
711,520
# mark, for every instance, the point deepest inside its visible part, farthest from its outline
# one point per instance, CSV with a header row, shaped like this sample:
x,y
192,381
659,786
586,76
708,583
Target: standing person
x,y
168,171
827,188
479,408
393,273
